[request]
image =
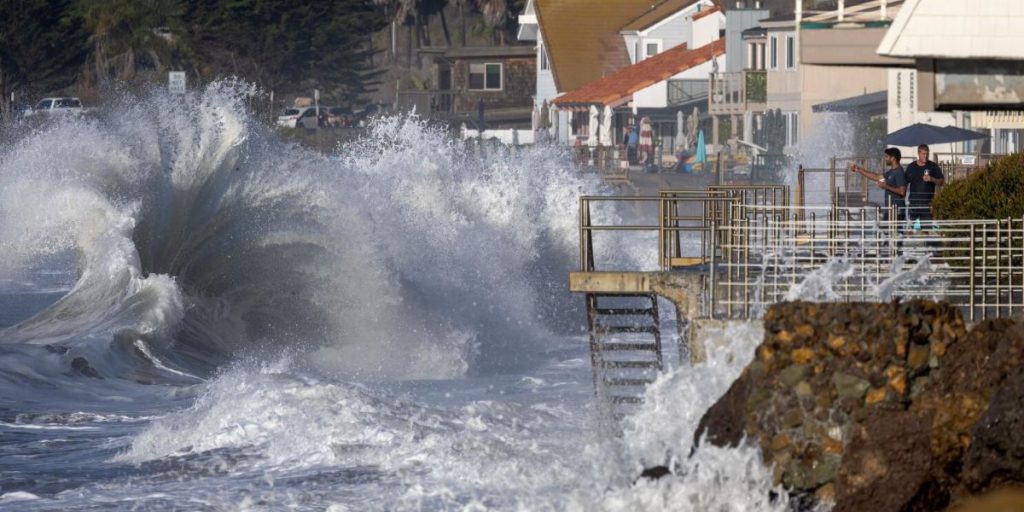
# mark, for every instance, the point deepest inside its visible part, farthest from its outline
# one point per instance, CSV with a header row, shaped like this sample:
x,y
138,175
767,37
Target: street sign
x,y
176,82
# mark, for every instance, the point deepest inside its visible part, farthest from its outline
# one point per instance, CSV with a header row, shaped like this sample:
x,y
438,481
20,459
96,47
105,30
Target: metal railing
x,y
756,249
738,91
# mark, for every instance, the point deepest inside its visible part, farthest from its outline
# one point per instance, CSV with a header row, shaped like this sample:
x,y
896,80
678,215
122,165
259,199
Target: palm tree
x,y
129,35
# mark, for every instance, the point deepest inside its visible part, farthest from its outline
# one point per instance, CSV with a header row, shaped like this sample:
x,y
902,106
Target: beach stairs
x,y
625,350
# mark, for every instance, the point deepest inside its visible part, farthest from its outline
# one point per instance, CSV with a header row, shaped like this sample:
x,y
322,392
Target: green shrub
x,y
995,192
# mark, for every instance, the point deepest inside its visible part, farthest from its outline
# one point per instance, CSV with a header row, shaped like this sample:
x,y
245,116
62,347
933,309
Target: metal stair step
x,y
619,399
649,347
631,364
627,382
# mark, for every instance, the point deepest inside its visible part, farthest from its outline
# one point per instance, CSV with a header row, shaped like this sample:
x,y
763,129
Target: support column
x,y
714,130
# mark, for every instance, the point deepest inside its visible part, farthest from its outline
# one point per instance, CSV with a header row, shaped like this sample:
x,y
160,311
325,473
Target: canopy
x,y
920,133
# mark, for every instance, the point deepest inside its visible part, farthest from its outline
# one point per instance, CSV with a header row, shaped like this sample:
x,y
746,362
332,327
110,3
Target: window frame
x,y
647,43
773,53
545,65
790,52
501,77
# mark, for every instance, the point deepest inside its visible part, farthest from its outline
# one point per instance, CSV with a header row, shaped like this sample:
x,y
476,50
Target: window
x,y
636,52
544,66
485,77
773,53
751,56
581,123
760,56
652,50
68,103
792,128
43,105
790,52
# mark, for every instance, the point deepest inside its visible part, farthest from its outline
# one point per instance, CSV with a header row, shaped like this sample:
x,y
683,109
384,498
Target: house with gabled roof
x,y
585,47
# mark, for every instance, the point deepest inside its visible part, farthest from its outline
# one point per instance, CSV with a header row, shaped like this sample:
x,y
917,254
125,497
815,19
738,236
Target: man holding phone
x,y
893,181
923,176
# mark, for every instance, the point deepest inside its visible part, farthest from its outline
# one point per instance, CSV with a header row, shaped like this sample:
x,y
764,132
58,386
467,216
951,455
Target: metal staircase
x,y
625,349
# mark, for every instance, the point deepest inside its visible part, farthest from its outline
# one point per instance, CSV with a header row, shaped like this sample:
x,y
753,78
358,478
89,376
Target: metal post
x,y
970,280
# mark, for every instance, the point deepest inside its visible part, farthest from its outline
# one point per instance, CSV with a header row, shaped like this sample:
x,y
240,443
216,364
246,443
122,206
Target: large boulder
x,y
874,406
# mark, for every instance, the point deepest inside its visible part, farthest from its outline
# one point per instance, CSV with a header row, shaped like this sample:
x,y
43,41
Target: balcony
x,y
738,92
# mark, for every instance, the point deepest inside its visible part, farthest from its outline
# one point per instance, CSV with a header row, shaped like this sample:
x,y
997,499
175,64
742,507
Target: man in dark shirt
x,y
923,176
893,181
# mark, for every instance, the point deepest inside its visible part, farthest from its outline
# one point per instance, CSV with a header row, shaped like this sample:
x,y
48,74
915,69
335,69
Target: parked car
x,y
339,117
301,117
371,110
57,106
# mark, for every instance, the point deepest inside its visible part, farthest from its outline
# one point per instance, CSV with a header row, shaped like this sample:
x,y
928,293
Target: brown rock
x,y
781,441
802,355
917,359
875,396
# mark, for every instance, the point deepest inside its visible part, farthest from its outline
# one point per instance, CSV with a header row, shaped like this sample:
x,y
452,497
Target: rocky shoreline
x,y
881,407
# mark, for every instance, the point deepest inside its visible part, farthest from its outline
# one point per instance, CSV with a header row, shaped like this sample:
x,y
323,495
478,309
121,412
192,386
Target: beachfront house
x,y
962,64
500,78
581,41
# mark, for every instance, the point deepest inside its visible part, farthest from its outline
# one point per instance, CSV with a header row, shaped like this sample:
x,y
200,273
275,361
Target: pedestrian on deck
x,y
923,176
893,181
632,141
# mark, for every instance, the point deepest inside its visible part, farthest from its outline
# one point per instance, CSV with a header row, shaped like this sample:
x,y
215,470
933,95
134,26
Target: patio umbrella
x,y
702,152
606,127
545,115
535,118
920,133
645,145
592,134
692,125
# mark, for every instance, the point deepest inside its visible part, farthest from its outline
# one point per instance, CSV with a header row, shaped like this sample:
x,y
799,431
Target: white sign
x,y
316,94
176,82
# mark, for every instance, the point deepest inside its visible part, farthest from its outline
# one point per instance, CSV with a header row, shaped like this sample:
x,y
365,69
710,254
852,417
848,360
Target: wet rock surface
x,y
881,407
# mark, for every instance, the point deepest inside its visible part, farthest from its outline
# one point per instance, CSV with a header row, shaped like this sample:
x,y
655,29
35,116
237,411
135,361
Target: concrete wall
x,y
672,33
821,84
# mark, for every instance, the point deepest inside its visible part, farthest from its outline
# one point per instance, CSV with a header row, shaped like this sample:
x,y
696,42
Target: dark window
x,y
69,103
290,112
790,61
485,77
43,105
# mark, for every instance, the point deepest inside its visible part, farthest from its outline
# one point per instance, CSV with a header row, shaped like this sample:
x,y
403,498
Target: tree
x,y
42,49
129,36
287,45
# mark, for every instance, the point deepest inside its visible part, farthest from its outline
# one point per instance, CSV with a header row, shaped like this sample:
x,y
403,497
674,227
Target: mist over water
x,y
247,324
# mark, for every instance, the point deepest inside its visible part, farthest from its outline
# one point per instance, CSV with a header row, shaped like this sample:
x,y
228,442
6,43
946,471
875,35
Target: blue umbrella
x,y
920,133
702,152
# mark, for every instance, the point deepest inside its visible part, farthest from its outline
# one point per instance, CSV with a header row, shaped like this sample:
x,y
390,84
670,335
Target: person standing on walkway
x,y
632,141
893,181
923,176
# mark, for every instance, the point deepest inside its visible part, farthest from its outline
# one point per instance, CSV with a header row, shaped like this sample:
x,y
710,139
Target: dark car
x,y
371,110
339,117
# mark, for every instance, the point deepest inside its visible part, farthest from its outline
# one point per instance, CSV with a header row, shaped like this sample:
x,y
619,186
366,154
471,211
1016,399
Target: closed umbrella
x,y
921,133
554,122
592,134
535,118
702,152
606,127
691,127
545,115
680,131
646,142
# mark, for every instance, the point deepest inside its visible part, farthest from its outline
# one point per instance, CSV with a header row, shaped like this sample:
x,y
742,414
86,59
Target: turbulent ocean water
x,y
197,315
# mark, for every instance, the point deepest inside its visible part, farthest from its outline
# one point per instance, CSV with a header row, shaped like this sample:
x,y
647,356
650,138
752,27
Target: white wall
x,y
706,29
656,96
903,109
546,89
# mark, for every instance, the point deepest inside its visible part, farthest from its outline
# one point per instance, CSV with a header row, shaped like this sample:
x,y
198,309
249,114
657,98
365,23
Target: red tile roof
x,y
614,87
706,12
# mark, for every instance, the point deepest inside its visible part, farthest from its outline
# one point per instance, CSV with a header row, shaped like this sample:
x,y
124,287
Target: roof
x,y
956,29
874,103
706,12
492,51
655,13
582,37
645,73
